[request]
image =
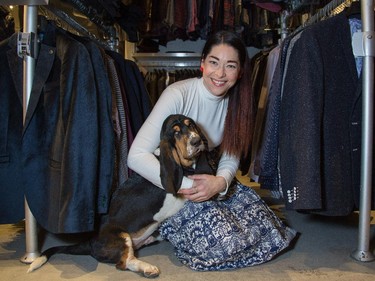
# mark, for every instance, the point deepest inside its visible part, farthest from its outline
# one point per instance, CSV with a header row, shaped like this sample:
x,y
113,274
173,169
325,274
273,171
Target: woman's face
x,y
220,69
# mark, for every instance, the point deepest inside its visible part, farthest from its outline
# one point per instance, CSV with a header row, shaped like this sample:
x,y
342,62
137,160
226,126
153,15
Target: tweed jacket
x,y
320,121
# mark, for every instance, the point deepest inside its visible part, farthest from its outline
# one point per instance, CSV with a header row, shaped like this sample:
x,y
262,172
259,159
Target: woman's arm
x,y
227,169
141,158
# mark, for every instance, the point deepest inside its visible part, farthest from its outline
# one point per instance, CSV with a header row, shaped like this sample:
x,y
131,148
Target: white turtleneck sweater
x,y
190,98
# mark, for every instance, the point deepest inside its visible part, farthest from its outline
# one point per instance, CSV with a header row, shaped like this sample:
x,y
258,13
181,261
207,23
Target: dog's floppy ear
x,y
171,172
203,164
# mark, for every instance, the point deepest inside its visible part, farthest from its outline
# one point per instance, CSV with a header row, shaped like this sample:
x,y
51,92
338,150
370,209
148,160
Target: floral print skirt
x,y
237,232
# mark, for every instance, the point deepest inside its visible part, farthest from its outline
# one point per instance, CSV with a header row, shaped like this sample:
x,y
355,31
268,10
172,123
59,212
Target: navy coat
x,y
11,188
67,141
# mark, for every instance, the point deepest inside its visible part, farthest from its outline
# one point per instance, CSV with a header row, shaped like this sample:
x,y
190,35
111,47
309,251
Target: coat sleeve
x,y
300,125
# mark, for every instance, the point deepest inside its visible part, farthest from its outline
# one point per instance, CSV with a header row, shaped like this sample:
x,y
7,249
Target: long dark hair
x,y
239,121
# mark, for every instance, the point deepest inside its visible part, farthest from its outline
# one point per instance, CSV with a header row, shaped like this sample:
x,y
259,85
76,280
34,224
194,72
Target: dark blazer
x,y
320,121
105,124
11,188
66,183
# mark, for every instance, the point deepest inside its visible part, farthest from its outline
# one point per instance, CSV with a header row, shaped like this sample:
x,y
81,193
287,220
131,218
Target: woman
x,y
211,234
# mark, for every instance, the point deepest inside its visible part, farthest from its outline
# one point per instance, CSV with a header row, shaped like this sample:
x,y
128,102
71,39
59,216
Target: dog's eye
x,y
177,133
191,126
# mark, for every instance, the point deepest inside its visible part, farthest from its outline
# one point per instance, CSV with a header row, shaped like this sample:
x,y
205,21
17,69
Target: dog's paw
x,y
151,271
38,262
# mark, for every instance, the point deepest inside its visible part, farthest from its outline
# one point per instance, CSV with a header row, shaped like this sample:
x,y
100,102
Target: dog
x,y
138,207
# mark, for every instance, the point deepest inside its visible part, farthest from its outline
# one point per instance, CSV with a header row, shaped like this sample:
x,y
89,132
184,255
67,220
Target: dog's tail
x,y
83,248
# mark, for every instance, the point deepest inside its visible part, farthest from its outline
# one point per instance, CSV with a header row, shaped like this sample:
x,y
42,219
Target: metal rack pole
x,y
29,25
367,12
30,21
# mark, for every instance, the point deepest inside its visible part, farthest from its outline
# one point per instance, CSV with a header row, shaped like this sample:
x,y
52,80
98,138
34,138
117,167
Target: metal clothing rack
x,y
363,45
366,49
366,40
186,60
333,7
323,13
73,26
31,228
28,50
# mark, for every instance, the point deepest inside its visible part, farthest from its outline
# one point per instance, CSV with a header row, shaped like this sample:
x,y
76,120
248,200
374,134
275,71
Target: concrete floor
x,y
321,252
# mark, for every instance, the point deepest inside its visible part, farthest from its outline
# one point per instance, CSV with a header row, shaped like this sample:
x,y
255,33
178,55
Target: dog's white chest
x,y
170,207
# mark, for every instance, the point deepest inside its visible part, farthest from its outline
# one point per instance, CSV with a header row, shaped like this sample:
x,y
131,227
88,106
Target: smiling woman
x,y
221,69
223,224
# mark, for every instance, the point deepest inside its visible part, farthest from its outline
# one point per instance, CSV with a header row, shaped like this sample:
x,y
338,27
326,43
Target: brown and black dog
x,y
138,207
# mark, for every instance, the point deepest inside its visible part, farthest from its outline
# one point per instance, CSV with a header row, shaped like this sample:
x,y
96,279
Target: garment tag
x,y
26,44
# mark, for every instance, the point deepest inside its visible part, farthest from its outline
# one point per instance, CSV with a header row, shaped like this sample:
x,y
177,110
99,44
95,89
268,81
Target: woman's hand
x,y
204,187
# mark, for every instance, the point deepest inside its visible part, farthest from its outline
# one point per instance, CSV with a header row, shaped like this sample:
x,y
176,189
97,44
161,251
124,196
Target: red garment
x,y
272,7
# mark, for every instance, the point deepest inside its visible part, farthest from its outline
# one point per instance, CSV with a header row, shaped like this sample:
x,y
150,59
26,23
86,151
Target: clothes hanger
x,y
354,10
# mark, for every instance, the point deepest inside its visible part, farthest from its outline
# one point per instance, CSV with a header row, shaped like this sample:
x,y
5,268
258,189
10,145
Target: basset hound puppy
x,y
138,207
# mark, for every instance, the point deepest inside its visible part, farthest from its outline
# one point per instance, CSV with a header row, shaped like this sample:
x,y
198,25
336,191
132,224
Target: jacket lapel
x,y
42,70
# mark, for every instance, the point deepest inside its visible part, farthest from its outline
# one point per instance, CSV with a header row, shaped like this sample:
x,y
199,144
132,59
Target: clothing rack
x,y
367,42
31,228
167,59
28,53
68,23
363,46
324,12
332,7
27,48
367,9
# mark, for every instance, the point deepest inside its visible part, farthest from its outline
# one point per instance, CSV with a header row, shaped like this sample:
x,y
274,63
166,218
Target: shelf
x,y
24,2
167,59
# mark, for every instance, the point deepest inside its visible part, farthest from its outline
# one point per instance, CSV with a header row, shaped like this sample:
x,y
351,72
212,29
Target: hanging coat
x,y
61,145
320,122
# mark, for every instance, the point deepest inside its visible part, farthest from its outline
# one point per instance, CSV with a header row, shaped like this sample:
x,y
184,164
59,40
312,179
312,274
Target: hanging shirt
x,y
356,26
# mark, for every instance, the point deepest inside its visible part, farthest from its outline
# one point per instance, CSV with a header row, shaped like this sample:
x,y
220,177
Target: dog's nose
x,y
196,141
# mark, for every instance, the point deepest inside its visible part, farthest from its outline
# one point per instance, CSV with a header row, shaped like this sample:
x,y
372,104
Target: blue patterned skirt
x,y
237,232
